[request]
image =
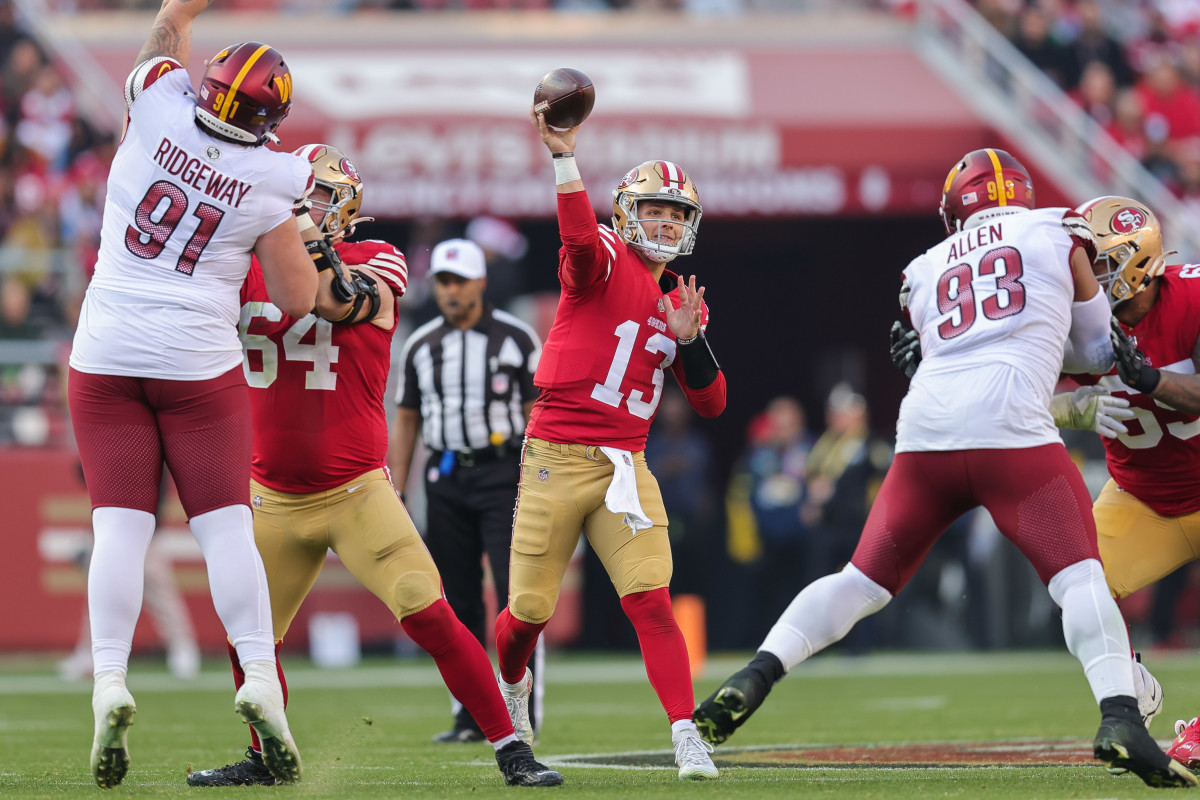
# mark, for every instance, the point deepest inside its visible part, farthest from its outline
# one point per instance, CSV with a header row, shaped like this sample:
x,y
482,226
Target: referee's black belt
x,y
471,458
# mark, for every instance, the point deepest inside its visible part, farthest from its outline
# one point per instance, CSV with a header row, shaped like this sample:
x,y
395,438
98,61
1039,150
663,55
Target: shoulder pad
x,y
145,74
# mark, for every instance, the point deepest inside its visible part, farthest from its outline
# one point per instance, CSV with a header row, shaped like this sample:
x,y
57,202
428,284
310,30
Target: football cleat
x,y
249,772
1186,747
113,707
260,704
457,735
692,756
1124,744
728,708
520,768
1149,691
516,698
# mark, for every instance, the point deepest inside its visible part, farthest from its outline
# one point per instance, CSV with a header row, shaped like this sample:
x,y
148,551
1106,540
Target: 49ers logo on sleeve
x,y
1128,220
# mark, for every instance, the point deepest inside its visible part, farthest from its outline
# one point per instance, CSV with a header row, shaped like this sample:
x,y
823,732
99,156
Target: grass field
x,y
365,733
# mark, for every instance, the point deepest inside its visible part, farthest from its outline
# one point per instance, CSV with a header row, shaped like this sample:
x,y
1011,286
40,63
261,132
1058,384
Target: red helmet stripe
x,y
308,151
237,82
995,159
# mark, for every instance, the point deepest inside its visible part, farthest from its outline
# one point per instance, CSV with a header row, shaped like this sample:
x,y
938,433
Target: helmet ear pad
x,y
246,92
981,180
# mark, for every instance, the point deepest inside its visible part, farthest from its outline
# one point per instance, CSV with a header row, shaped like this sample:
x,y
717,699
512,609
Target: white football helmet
x,y
665,182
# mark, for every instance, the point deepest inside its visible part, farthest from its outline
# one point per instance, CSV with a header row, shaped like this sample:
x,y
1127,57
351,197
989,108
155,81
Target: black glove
x,y
325,257
906,349
1131,362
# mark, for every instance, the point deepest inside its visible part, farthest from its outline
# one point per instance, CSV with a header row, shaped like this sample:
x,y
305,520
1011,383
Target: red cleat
x,y
1186,747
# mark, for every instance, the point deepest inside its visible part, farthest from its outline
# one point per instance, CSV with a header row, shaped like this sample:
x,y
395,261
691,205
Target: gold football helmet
x,y
333,171
665,182
1129,243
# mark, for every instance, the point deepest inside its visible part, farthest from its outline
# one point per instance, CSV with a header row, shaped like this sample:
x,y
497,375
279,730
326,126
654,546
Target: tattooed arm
x,y
171,35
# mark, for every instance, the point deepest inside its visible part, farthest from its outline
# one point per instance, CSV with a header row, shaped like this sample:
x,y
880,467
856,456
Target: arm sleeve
x,y
1088,348
588,252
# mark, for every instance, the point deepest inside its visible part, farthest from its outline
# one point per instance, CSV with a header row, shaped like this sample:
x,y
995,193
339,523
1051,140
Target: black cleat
x,y
457,735
250,772
730,705
1126,744
520,768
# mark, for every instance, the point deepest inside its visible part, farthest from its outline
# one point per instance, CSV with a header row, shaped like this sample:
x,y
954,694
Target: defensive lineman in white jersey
x,y
156,365
1002,305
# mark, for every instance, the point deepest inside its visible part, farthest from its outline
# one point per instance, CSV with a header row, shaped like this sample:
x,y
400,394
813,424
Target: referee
x,y
467,388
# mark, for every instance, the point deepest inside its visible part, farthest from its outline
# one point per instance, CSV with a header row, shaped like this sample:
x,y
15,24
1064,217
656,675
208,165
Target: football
x,y
565,97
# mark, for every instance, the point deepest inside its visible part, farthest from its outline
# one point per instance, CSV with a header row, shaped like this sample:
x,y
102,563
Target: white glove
x,y
1091,408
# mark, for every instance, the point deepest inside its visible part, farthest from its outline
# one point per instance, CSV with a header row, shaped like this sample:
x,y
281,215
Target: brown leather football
x,y
565,96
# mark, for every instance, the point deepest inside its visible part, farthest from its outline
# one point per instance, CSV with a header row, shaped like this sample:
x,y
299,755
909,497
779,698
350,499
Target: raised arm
x,y
171,35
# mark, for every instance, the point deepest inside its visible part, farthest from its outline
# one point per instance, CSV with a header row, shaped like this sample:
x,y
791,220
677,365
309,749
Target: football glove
x,y
1091,408
1131,362
906,349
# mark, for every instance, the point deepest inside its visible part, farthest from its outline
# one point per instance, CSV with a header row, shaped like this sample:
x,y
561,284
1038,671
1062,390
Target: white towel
x,y
622,495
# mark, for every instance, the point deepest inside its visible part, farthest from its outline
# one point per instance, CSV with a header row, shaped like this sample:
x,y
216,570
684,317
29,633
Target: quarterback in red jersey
x,y
318,476
622,319
1148,514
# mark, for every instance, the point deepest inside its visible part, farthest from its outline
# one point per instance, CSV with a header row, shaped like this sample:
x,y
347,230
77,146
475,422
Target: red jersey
x,y
601,371
317,388
1158,461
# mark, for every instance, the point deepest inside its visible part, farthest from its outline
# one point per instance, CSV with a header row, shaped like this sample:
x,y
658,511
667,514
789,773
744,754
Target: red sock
x,y
515,641
464,665
239,678
663,650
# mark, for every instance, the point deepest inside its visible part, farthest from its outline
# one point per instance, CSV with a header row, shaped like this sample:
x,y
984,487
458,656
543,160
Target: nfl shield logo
x,y
543,474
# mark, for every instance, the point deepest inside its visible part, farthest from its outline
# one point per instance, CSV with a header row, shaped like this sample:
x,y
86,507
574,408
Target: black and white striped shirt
x,y
470,385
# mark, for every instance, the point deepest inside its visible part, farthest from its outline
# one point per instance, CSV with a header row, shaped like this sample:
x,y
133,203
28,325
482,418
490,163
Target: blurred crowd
x,y
1132,65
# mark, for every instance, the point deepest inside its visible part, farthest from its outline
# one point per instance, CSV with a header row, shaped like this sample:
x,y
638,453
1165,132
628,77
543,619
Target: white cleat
x,y
692,756
260,704
113,707
1149,692
516,698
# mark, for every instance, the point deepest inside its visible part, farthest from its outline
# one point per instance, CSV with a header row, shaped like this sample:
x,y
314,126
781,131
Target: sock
x,y
1094,629
822,614
1125,708
663,650
116,579
239,678
768,667
681,725
515,642
237,580
464,666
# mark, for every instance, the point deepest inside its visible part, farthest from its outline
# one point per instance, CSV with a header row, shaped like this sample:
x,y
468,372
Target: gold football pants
x,y
364,522
562,493
1138,546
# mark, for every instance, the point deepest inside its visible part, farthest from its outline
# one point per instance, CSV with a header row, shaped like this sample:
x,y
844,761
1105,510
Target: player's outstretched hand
x,y
556,141
1092,408
684,321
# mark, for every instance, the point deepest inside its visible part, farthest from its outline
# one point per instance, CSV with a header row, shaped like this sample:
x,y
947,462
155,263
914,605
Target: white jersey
x,y
992,305
181,217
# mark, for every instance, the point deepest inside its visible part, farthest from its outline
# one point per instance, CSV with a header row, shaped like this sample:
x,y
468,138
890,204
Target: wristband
x,y
565,169
687,341
567,154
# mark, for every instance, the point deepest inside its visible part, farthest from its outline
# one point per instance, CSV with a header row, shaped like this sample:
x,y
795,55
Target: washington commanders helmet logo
x,y
1128,220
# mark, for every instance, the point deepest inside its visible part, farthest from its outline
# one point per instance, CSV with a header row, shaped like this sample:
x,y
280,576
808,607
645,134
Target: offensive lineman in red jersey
x,y
1148,514
318,476
622,319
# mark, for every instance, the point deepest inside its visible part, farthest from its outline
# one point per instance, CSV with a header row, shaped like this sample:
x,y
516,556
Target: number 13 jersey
x,y
181,216
992,305
601,371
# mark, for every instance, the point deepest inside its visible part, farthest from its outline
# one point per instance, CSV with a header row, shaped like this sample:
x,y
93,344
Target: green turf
x,y
365,733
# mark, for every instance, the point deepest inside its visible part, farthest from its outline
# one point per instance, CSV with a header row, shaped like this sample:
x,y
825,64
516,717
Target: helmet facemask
x,y
335,173
656,181
1129,246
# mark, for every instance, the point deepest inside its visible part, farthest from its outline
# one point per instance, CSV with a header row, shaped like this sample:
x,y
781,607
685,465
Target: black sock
x,y
768,666
1122,707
